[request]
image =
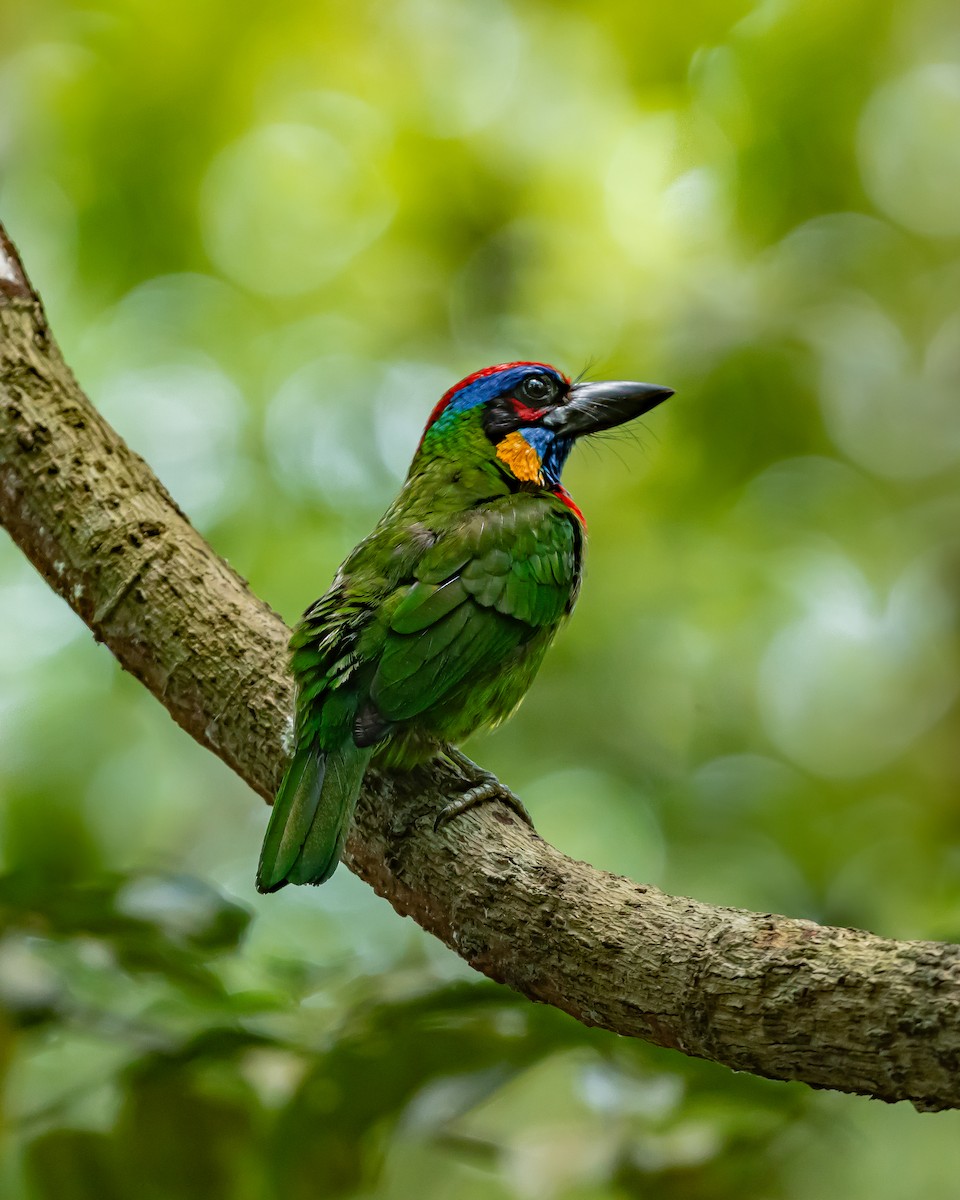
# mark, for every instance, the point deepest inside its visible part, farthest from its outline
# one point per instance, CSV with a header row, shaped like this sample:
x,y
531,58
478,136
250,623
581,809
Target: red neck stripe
x,y
563,495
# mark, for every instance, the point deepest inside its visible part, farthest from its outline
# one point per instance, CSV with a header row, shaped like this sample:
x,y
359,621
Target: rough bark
x,y
787,999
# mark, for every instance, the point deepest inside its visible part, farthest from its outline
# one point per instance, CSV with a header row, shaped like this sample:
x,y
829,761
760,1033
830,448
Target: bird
x,y
437,622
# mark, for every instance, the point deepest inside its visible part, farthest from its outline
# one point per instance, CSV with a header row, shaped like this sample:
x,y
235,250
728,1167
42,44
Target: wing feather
x,y
393,649
426,603
511,569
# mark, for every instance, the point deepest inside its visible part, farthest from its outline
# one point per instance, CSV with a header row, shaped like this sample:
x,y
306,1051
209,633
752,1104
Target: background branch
x,y
782,998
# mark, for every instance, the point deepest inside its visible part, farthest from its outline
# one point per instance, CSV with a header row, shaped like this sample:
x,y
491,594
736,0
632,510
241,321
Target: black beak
x,y
593,407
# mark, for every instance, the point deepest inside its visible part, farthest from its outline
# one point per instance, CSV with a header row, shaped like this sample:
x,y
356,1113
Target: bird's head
x,y
527,415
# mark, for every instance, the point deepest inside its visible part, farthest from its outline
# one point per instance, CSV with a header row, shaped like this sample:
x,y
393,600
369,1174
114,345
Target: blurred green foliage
x,y
268,238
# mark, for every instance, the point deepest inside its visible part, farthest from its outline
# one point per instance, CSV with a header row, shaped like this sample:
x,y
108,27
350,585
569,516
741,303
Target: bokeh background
x,y
268,237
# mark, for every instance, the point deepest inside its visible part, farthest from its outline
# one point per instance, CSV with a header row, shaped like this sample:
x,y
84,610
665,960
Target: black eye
x,y
538,389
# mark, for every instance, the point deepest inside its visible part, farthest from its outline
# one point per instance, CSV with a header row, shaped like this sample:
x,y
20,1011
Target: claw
x,y
489,789
494,790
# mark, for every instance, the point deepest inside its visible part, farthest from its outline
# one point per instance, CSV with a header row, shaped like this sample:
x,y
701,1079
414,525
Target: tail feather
x,y
311,816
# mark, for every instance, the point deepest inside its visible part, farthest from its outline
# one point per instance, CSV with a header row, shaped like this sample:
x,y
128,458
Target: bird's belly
x,y
480,701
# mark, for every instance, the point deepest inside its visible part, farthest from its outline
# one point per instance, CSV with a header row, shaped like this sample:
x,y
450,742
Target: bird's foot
x,y
480,794
488,788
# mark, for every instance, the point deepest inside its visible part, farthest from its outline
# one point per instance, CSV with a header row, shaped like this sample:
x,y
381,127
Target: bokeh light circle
x,y
909,149
287,206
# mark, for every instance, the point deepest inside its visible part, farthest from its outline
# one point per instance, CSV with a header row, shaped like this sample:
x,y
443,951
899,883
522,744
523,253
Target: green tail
x,y
311,816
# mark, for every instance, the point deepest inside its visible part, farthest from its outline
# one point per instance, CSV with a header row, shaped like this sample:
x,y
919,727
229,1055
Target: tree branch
x,y
836,1008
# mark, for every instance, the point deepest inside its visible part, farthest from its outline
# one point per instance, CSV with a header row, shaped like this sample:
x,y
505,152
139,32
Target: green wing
x,y
486,587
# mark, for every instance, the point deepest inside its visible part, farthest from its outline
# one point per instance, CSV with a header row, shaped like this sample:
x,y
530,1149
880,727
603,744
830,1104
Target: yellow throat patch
x,y
516,452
